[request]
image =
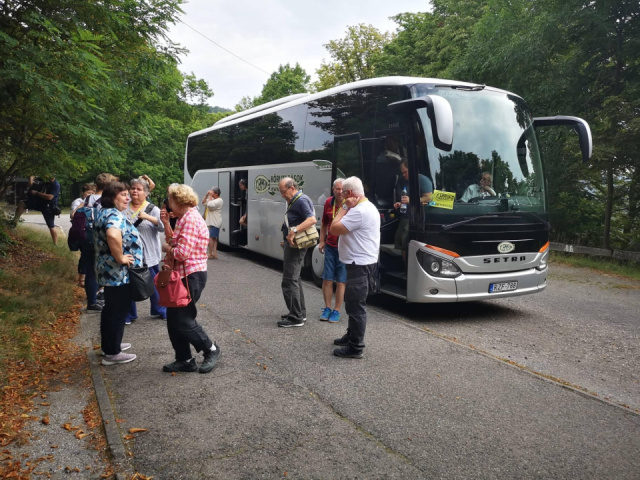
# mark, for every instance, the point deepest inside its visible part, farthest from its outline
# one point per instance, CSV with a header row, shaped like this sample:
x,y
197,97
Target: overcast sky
x,y
267,34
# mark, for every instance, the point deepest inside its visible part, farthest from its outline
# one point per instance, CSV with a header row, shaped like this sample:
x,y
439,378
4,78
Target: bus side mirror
x,y
521,152
439,112
578,124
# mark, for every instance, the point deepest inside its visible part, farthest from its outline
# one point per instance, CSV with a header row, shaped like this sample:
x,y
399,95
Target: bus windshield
x,y
494,165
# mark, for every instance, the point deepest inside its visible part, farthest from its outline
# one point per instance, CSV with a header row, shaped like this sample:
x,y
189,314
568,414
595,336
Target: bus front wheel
x,y
315,263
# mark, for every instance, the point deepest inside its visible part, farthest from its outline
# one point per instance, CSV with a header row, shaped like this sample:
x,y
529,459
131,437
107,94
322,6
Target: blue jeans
x,y
355,301
155,308
183,328
88,255
112,317
292,283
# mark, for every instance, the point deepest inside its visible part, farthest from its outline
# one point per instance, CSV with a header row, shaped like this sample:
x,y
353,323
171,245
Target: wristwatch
x,y
294,229
344,206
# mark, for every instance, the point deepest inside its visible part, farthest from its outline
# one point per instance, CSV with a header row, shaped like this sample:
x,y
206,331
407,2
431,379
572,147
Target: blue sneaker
x,y
334,317
325,314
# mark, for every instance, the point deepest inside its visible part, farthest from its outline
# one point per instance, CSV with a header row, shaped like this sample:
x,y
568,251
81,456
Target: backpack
x,y
82,225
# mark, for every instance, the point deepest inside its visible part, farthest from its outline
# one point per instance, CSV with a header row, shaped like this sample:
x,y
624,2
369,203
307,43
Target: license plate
x,y
502,287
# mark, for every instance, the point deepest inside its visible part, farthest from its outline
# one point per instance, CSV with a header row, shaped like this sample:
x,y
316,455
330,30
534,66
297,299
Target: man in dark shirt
x,y
43,197
299,216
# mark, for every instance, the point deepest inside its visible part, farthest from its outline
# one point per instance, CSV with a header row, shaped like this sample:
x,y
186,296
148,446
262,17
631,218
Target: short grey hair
x,y
338,180
289,182
216,190
141,181
354,184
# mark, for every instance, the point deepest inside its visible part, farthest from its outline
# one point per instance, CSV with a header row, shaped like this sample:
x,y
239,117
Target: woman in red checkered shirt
x,y
186,252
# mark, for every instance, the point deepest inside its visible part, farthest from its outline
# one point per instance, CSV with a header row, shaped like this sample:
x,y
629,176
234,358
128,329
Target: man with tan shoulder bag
x,y
299,218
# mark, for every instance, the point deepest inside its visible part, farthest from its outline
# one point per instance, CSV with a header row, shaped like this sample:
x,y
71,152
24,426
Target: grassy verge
x,y
605,265
39,314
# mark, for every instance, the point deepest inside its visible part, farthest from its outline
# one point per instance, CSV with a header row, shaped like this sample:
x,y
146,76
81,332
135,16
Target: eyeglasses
x,y
283,191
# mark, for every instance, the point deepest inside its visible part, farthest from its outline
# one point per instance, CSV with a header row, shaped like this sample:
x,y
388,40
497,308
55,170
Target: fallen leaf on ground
x,y
137,430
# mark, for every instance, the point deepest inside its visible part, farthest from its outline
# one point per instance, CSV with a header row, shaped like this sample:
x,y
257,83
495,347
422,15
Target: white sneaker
x,y
123,347
119,358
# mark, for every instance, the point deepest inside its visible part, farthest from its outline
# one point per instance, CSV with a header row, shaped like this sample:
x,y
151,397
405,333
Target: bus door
x,y
224,185
238,207
391,150
347,157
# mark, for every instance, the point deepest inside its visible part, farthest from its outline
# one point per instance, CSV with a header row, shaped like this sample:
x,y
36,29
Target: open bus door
x,y
237,207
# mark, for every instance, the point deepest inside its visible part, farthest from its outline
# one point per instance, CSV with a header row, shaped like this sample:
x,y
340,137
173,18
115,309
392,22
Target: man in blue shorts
x,y
334,269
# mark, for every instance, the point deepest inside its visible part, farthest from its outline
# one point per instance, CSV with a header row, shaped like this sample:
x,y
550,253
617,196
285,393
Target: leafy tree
x,y
352,56
246,103
72,76
427,42
285,81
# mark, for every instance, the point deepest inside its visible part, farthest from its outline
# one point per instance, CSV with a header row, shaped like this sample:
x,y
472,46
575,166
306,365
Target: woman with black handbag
x,y
145,216
118,247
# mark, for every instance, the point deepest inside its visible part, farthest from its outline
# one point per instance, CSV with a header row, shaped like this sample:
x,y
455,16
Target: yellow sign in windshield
x,y
441,199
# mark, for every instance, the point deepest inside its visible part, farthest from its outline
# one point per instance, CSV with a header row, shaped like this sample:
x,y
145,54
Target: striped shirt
x,y
190,240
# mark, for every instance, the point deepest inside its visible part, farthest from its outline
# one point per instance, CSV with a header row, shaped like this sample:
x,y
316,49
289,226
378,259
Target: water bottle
x,y
403,206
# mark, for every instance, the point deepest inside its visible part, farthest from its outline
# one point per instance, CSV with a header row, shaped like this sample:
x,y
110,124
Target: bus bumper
x,y
424,288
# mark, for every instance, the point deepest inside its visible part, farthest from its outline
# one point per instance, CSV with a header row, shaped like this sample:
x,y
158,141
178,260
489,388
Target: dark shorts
x,y
334,269
49,219
214,232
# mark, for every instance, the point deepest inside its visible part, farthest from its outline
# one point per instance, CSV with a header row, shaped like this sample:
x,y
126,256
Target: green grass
x,y
36,286
606,265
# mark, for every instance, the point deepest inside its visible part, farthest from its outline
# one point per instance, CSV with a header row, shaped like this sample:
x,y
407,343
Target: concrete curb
x,y
121,463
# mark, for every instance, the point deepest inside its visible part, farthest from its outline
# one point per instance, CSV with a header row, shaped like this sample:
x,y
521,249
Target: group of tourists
x,y
123,230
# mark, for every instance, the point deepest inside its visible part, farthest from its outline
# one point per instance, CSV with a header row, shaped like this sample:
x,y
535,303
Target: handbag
x,y
142,286
171,290
307,238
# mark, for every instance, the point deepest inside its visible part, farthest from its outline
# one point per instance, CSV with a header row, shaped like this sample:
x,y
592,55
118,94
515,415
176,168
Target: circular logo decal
x,y
261,184
506,247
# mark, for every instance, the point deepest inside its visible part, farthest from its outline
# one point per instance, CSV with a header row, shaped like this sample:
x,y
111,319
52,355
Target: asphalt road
x,y
433,397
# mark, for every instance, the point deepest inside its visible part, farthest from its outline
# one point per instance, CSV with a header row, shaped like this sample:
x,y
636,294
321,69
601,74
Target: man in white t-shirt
x,y
358,224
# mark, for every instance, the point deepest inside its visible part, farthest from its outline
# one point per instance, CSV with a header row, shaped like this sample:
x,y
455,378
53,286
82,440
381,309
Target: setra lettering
x,y
521,258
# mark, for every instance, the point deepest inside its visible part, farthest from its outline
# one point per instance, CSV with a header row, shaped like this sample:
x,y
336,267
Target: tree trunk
x,y
606,238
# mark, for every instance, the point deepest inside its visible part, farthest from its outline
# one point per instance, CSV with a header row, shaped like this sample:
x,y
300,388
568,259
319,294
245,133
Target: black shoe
x,y
291,323
347,352
286,315
342,341
96,307
181,366
210,360
100,296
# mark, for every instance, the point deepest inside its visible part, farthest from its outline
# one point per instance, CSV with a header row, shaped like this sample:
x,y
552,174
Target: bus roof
x,y
300,98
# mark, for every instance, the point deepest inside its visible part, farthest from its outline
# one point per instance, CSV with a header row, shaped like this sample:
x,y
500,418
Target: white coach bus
x,y
464,242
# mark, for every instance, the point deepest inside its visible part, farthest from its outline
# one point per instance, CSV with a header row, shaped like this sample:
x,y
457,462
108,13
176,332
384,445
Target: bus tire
x,y
314,260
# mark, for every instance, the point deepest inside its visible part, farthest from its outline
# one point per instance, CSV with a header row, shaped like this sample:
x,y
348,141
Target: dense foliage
x,y
87,87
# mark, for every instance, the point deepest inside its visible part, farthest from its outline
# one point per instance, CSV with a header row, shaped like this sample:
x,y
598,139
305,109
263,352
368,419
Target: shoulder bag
x,y
171,290
303,238
142,286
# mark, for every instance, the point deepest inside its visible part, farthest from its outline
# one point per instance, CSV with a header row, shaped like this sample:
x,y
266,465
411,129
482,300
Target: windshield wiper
x,y
466,220
470,88
540,219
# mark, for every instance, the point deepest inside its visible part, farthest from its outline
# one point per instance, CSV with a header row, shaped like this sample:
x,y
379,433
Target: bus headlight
x,y
436,266
544,260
